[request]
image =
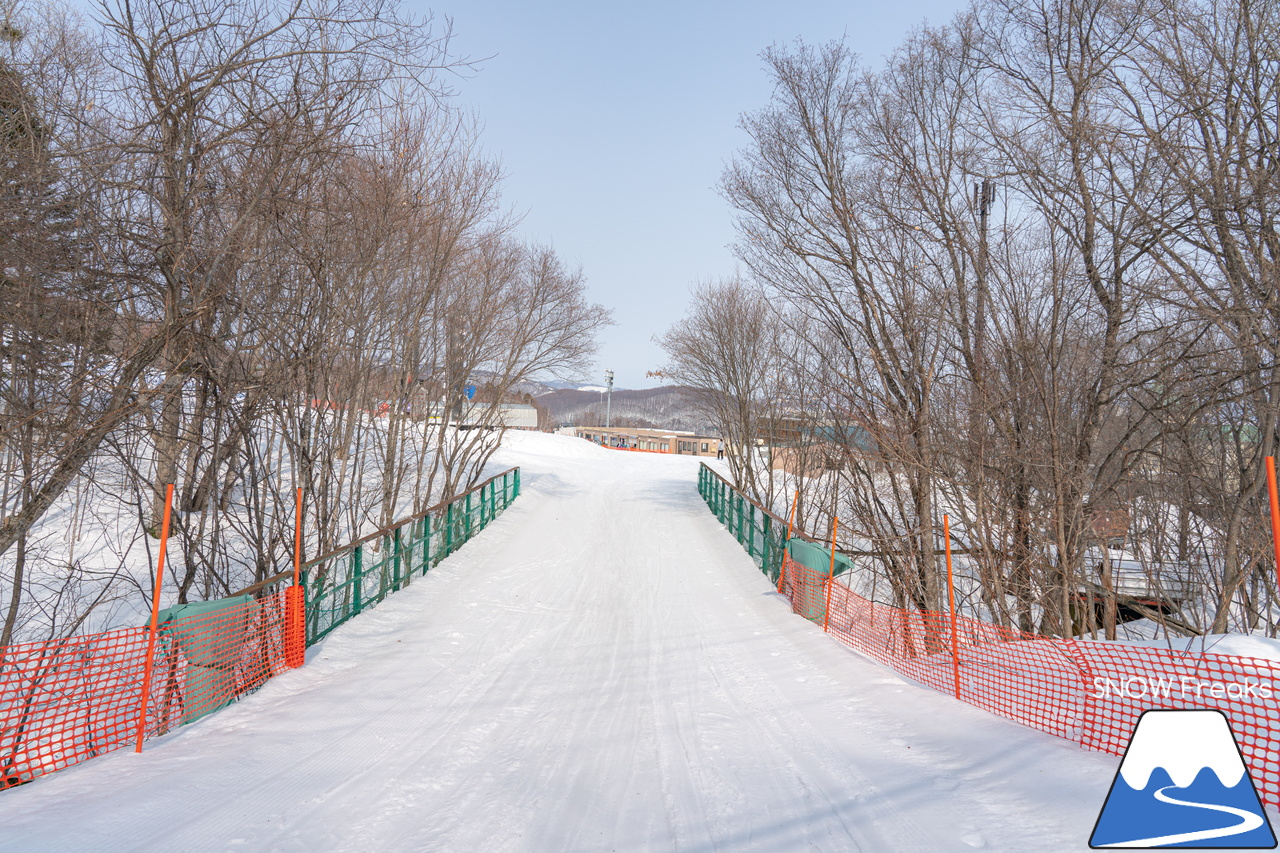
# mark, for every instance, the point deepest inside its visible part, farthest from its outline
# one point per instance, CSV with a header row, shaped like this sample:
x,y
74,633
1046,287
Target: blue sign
x,y
470,391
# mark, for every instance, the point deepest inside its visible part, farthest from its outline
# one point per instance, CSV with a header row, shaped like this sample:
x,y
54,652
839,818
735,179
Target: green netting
x,y
342,584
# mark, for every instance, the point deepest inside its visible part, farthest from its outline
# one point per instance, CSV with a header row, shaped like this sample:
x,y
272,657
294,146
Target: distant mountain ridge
x,y
665,407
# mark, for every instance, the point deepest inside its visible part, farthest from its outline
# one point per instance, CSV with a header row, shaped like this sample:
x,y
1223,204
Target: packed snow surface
x,y
603,669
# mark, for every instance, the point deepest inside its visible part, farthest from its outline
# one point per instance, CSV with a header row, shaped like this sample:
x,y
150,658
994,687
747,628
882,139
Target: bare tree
x,y
1204,90
729,350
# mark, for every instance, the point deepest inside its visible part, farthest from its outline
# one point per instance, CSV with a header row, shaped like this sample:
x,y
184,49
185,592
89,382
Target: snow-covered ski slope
x,y
602,670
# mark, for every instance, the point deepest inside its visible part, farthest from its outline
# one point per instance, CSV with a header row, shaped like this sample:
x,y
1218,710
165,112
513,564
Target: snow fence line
x,y
1086,691
66,701
632,449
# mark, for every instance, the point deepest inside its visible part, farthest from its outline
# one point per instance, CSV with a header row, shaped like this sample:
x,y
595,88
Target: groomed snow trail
x,y
603,669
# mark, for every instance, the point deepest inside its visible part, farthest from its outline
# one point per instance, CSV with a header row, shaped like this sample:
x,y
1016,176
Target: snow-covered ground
x,y
602,670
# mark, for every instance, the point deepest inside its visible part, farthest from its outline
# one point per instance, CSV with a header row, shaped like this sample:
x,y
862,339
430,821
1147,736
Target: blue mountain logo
x,y
1183,783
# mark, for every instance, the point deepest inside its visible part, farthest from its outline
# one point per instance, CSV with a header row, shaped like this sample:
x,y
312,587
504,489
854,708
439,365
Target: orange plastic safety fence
x,y
69,700
1085,691
633,449
806,589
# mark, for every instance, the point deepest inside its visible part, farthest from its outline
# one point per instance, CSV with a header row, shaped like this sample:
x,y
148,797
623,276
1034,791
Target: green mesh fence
x,y
356,577
761,533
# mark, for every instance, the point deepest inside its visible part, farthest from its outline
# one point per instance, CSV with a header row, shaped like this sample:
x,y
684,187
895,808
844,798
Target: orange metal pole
x,y
155,616
297,540
951,596
831,575
791,523
295,605
1275,511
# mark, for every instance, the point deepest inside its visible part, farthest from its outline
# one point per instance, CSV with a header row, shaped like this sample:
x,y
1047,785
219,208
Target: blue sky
x,y
614,121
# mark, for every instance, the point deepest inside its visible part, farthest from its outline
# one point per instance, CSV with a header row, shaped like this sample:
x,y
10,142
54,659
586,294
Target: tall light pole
x,y
608,407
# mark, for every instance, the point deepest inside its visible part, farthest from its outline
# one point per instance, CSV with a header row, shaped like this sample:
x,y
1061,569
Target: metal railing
x,y
355,577
757,530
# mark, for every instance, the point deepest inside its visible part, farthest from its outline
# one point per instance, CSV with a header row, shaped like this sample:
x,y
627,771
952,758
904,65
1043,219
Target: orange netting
x,y
1085,691
68,700
65,701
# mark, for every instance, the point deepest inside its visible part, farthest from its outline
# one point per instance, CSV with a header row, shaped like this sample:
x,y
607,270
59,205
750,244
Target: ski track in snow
x,y
603,669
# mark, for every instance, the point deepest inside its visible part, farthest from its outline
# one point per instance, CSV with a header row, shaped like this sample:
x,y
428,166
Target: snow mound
x,y
1236,645
546,445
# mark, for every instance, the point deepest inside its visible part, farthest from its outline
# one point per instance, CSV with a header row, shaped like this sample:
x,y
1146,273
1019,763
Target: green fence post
x,y
306,596
516,493
395,560
412,549
357,578
766,561
384,553
448,529
383,569
737,512
757,528
426,543
409,542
